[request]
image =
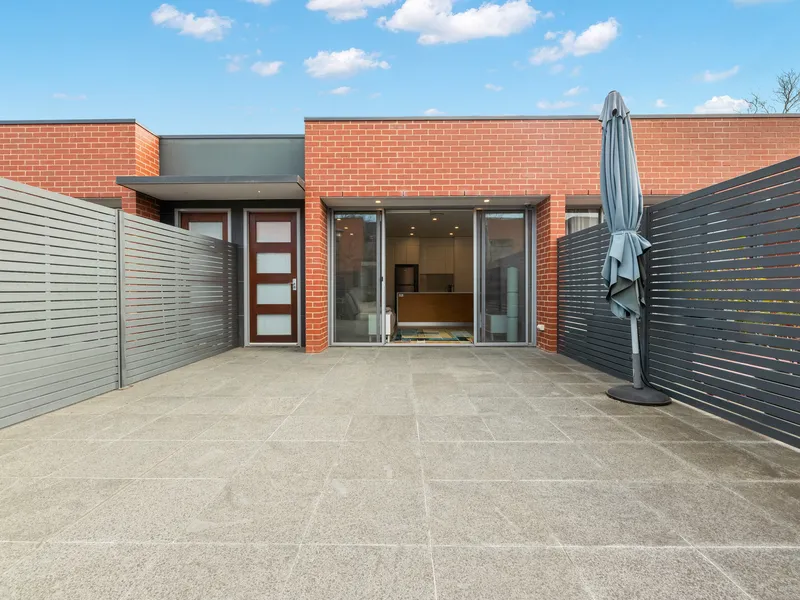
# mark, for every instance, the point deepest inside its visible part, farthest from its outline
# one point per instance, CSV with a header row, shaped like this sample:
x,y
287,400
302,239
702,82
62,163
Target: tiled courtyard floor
x,y
440,473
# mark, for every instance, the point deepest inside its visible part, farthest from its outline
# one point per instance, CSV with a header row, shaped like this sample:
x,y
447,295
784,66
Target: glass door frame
x,y
380,258
479,281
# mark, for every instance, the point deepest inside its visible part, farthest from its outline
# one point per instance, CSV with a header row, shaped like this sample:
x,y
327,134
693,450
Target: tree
x,y
785,97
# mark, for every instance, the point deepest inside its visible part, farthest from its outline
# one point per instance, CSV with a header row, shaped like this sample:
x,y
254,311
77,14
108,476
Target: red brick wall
x,y
544,157
81,160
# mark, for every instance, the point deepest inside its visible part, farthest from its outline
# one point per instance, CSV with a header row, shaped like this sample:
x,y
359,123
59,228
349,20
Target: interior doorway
x,y
430,277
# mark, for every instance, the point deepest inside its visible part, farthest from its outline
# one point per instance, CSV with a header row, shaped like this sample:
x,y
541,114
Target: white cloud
x,y
661,104
557,105
436,22
267,69
211,28
346,10
576,71
343,64
710,77
433,112
575,91
556,69
493,88
234,62
262,2
595,39
722,105
63,96
341,91
596,108
550,35
549,15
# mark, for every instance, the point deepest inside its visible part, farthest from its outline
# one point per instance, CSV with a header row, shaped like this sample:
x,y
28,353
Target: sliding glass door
x,y
502,277
356,277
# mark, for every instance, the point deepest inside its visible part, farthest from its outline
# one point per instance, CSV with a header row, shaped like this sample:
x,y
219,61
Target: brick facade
x,y
555,158
81,159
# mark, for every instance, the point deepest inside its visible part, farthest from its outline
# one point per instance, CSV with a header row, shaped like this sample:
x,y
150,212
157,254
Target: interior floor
x,y
433,335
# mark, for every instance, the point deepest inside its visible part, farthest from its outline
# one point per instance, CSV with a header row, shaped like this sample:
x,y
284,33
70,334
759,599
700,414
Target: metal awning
x,y
214,187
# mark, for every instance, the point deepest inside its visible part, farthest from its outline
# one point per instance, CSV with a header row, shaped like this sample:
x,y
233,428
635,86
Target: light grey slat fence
x,y
587,329
724,300
59,327
179,298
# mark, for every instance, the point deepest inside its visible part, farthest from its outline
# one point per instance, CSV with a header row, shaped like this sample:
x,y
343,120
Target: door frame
x,y
381,287
300,275
181,211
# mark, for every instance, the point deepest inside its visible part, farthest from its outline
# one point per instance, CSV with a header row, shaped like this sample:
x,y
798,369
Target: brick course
x,y
512,157
81,160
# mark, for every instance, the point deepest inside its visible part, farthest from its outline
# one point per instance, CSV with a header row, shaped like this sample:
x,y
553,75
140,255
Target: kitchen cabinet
x,y
436,256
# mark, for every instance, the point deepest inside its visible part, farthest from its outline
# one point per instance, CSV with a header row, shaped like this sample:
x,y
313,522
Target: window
x,y
579,219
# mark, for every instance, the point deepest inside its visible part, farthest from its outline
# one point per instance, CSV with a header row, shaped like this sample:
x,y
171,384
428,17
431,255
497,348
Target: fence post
x,y
645,322
121,312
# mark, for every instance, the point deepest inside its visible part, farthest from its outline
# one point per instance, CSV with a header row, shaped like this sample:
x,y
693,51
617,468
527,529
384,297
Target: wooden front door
x,y
213,224
272,248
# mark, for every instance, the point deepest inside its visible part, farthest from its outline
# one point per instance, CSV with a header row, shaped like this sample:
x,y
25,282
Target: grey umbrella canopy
x,y
623,206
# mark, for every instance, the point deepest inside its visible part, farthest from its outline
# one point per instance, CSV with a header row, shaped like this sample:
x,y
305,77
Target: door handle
x,y
294,284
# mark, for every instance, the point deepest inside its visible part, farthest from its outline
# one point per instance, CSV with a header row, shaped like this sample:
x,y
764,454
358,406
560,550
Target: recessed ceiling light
x,y
456,226
412,227
338,218
412,233
435,218
346,227
377,201
486,200
351,233
451,233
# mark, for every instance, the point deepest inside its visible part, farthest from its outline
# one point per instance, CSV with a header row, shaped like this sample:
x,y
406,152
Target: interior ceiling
x,y
399,223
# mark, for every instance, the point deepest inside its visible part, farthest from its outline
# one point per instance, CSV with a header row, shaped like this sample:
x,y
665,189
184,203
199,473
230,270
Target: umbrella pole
x,y
637,363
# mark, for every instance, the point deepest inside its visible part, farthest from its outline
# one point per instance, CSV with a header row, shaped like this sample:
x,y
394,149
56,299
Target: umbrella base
x,y
647,396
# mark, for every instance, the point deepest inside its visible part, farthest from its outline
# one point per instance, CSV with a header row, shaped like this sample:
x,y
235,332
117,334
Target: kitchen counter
x,y
443,309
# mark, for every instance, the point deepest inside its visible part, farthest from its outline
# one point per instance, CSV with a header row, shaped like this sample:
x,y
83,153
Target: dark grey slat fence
x,y
722,330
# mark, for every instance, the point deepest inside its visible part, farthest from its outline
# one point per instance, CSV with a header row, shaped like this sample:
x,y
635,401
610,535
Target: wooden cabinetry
x,y
463,259
436,256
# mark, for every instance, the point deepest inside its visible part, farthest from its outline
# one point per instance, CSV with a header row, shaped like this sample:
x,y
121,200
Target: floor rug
x,y
432,336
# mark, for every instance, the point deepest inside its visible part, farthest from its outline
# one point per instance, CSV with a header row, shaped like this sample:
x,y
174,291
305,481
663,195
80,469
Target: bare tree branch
x,y
787,94
757,104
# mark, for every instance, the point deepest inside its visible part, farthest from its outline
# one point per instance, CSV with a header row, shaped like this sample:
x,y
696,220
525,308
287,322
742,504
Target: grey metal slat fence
x,y
58,301
92,299
722,325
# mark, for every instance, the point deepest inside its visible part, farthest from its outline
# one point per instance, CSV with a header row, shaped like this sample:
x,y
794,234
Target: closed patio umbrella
x,y
623,205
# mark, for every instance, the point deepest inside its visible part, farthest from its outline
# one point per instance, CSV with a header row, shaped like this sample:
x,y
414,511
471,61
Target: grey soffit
x,y
201,187
427,202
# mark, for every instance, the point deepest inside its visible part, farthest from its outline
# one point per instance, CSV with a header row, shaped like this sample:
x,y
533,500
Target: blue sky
x,y
259,66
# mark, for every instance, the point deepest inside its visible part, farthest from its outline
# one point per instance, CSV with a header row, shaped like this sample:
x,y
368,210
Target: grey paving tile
x,y
584,389
725,430
480,513
781,500
490,390
505,407
390,429
43,427
100,405
179,427
45,457
76,571
123,459
666,429
764,573
153,405
449,429
385,405
777,454
312,428
274,511
33,510
444,404
286,460
506,574
361,573
651,573
217,572
512,428
209,405
508,460
111,426
611,407
12,552
563,407
205,459
242,428
595,429
592,513
266,406
379,460
7,446
327,403
146,510
728,462
542,390
635,461
709,514
370,512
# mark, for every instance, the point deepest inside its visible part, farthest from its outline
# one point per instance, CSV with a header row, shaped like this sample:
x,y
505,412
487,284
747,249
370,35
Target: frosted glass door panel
x,y
208,228
269,262
274,293
273,232
274,325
